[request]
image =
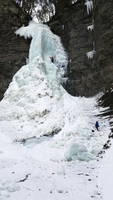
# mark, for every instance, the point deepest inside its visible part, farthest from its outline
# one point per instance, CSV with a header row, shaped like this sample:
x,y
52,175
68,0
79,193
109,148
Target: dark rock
x,y
107,145
60,191
13,50
106,100
77,41
24,179
80,173
86,174
54,132
103,42
99,193
87,77
110,135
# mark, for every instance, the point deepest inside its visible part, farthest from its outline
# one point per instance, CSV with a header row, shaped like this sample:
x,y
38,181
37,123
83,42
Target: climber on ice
x,y
97,125
52,59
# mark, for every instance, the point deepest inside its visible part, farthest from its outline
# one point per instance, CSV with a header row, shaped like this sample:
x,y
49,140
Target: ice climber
x,y
97,125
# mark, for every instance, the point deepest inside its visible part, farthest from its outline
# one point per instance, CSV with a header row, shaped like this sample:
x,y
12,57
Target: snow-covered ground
x,y
105,179
48,142
37,171
46,176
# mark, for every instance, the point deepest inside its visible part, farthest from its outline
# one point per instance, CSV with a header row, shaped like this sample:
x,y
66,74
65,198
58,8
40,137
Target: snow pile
x,y
36,104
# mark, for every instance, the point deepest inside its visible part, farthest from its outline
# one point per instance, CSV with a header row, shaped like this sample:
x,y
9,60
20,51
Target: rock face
x,y
85,76
13,50
103,19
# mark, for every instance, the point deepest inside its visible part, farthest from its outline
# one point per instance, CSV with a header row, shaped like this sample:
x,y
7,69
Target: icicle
x,y
89,5
90,54
74,1
90,28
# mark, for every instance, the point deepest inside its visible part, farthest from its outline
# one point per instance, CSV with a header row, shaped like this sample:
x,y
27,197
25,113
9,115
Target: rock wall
x,y
87,76
103,19
13,50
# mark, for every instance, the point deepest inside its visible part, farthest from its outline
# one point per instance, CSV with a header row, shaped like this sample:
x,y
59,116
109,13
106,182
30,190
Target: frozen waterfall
x,y
35,103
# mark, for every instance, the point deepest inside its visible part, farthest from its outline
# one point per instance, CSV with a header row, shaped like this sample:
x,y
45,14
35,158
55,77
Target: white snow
x,y
74,1
90,27
35,163
91,54
106,175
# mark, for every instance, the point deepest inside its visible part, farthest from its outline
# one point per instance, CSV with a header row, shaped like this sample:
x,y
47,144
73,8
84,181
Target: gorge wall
x,y
86,76
13,50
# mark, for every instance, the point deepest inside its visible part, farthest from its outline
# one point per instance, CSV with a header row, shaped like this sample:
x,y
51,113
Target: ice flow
x,y
36,104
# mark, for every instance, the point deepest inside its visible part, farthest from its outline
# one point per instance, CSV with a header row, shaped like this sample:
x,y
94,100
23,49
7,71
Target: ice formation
x,y
89,5
36,104
74,1
20,2
91,54
90,27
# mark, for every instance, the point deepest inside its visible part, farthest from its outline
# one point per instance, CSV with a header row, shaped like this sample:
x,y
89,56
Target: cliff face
x,y
13,50
85,76
103,18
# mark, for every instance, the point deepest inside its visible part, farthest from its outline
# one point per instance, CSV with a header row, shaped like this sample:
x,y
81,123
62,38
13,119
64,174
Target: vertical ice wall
x,y
46,46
